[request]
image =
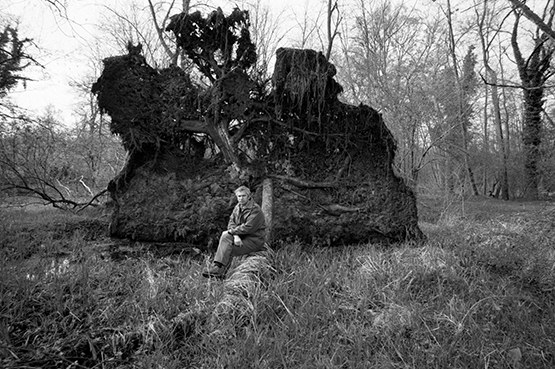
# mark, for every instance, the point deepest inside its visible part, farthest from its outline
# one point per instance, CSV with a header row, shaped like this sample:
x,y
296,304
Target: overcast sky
x,y
58,49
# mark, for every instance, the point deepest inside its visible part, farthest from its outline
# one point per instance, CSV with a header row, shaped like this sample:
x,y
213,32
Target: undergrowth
x,y
478,294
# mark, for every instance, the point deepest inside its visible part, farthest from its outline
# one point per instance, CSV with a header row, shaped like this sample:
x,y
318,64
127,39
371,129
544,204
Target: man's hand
x,y
237,240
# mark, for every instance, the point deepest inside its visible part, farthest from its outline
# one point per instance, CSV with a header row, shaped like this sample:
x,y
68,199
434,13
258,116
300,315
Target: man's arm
x,y
254,221
232,223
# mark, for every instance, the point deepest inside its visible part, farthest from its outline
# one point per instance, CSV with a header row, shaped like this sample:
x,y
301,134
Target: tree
x,y
97,153
534,71
131,23
13,59
191,143
160,26
266,34
36,160
464,89
453,95
332,27
503,136
39,157
387,67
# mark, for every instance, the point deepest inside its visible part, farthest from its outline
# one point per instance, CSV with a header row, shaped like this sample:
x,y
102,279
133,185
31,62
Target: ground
x,y
478,293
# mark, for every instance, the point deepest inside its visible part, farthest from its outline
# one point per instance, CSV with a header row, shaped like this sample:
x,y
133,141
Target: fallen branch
x,y
85,185
92,200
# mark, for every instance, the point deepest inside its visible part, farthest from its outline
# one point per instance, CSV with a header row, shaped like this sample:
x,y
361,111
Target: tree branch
x,y
93,199
528,13
159,31
513,86
520,63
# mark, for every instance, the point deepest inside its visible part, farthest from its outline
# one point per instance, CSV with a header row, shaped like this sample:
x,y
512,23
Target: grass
x,y
480,293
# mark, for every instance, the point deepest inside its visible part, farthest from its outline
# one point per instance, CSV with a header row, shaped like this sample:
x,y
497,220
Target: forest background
x,y
465,87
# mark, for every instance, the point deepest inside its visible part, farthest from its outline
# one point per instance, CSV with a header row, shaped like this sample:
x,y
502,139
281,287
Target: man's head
x,y
243,195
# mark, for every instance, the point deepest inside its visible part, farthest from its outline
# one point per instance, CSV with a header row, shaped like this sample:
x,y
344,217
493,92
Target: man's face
x,y
242,198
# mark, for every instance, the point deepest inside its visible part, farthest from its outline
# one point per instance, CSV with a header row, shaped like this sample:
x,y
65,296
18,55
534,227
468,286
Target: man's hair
x,y
243,189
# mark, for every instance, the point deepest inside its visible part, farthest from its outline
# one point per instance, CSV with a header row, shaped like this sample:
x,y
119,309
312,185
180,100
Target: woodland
x,y
403,154
466,95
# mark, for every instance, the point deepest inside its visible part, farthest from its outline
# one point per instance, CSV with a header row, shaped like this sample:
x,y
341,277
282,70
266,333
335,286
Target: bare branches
x,y
40,160
510,85
332,8
59,6
160,31
528,13
92,200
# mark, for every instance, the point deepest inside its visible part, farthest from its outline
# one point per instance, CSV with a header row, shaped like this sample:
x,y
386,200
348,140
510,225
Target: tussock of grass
x,y
479,293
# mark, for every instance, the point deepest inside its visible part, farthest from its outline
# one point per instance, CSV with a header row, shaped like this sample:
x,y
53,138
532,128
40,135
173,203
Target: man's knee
x,y
226,236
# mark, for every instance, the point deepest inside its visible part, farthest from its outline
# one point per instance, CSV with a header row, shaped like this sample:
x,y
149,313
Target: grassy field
x,y
480,293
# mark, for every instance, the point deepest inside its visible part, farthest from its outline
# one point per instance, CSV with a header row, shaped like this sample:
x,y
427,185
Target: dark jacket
x,y
247,221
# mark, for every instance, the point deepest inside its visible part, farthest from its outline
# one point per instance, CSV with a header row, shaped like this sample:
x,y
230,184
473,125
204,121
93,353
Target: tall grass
x,y
478,294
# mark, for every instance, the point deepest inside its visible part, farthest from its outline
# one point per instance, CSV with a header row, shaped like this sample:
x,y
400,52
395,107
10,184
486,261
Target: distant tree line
x,y
467,92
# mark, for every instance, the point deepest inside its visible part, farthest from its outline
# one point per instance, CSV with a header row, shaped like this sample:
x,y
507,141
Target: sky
x,y
63,49
57,46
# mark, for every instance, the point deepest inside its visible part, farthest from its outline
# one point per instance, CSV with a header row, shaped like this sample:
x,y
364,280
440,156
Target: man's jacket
x,y
247,221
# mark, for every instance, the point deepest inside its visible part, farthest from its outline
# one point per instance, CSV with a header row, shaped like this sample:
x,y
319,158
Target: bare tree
x,y
332,24
534,71
173,55
267,34
487,34
461,99
391,69
136,23
308,24
97,153
36,160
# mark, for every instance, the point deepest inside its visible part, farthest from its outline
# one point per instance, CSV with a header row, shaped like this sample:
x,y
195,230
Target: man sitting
x,y
244,235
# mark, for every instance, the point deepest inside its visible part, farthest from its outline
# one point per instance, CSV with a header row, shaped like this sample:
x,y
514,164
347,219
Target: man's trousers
x,y
227,249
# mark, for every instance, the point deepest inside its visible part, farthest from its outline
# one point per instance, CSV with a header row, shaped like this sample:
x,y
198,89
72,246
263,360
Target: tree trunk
x,y
531,137
503,143
268,207
220,135
532,71
463,128
504,180
485,169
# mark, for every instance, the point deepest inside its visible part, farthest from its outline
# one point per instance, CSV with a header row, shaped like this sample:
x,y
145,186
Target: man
x,y
245,234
